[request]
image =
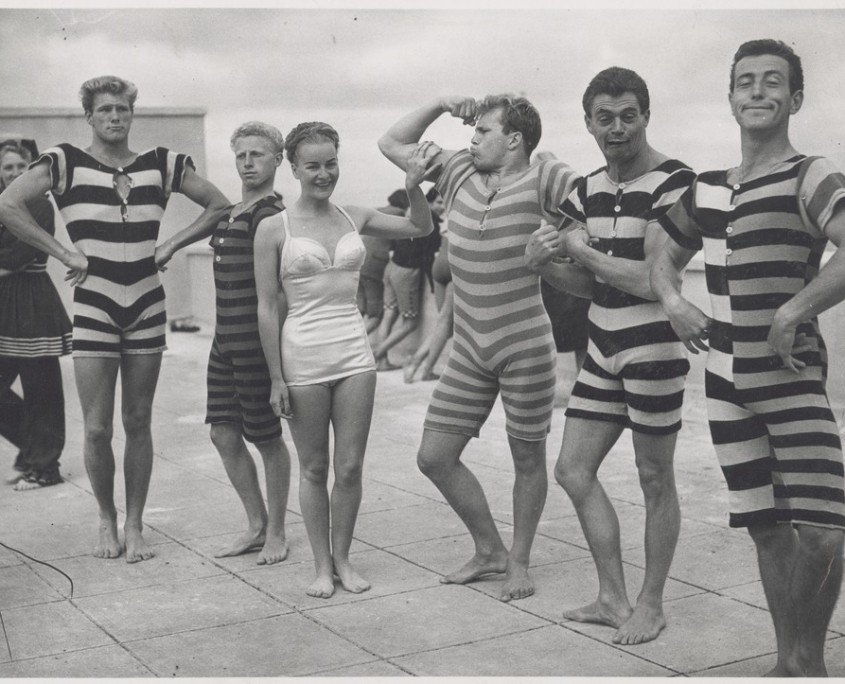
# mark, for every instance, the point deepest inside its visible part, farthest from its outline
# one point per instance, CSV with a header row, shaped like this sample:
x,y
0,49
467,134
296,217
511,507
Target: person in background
x,y
34,332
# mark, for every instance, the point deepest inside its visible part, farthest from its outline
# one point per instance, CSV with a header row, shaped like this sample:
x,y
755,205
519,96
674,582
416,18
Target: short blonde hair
x,y
263,130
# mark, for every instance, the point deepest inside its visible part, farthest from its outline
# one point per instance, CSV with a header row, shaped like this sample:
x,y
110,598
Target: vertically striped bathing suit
x,y
113,216
238,377
773,430
503,339
635,367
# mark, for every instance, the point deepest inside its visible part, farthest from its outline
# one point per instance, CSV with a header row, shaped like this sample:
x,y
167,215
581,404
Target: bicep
x,y
202,191
29,186
835,228
266,250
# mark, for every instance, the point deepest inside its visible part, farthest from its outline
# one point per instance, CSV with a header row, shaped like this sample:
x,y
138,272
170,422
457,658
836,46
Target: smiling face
x,y
490,144
618,126
110,118
316,168
255,160
12,165
761,99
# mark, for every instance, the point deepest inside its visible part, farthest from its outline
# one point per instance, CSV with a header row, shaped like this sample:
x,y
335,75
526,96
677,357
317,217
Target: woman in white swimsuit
x,y
307,262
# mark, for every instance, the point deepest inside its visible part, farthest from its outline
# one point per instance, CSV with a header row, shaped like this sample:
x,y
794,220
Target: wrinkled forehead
x,y
758,65
614,104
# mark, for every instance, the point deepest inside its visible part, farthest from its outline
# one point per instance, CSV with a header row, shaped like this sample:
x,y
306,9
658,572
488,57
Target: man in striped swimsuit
x,y
112,201
503,340
763,227
636,366
238,378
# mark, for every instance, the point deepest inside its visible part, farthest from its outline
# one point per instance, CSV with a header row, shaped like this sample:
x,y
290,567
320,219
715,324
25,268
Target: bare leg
x,y
440,335
311,408
240,468
815,586
531,484
352,410
405,327
383,332
585,445
439,460
139,375
277,474
655,457
95,383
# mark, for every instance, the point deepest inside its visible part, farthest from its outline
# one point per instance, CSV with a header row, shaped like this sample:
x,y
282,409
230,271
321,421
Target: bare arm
x,y
628,275
542,256
16,216
214,204
824,291
689,322
271,310
402,137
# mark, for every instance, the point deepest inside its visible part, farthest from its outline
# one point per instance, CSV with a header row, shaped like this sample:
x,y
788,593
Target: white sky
x,y
361,69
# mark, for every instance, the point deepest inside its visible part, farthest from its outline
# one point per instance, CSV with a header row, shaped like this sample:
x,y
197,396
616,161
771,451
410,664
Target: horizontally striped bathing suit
x,y
238,377
113,216
635,367
503,339
773,430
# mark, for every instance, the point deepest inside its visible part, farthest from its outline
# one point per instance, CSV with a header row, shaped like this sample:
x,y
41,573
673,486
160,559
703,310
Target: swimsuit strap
x,y
348,217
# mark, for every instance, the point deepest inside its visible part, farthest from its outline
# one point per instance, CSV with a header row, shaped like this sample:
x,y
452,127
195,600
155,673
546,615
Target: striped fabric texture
x,y
113,216
635,368
503,337
774,432
238,378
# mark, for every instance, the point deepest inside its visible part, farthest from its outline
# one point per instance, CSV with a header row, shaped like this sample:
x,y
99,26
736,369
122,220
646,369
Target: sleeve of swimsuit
x,y
679,223
455,171
56,160
678,177
557,181
573,206
173,166
822,192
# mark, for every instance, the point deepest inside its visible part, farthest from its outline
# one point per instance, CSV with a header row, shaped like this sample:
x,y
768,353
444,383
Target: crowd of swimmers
x,y
290,341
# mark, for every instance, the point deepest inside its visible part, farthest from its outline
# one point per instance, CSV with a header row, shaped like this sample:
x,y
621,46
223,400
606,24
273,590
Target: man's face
x,y
255,160
761,99
489,144
619,126
437,206
110,117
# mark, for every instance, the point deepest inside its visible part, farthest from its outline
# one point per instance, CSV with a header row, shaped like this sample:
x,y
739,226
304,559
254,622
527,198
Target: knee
x,y
225,439
573,477
529,462
770,536
316,473
137,420
348,475
99,434
430,464
656,480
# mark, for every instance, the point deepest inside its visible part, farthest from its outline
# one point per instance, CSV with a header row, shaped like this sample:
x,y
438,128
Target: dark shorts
x,y
370,296
568,315
402,289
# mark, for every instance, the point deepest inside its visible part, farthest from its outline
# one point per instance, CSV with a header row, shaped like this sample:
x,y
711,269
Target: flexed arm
x,y
402,137
272,311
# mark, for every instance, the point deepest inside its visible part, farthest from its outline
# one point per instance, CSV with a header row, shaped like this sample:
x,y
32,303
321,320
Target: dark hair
x,y
432,194
113,85
398,199
310,131
518,114
616,81
769,46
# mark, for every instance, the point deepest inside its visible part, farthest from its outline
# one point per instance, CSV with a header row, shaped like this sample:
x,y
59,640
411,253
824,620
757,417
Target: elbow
x,y
385,144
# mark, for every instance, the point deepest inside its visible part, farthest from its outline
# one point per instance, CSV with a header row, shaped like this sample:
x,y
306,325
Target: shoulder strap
x,y
348,217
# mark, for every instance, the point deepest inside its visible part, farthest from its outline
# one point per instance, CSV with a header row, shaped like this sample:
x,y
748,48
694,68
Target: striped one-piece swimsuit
x,y
112,216
503,338
774,432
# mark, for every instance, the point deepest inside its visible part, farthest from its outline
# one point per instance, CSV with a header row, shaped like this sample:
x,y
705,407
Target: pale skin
x,y
346,407
110,119
619,127
800,565
502,157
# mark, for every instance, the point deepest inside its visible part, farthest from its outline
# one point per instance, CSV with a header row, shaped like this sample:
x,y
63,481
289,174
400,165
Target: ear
x,y
647,116
515,141
797,99
278,158
293,170
88,117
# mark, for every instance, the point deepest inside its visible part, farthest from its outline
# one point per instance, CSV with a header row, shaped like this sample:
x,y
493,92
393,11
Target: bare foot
x,y
109,545
409,370
251,540
384,365
275,551
136,548
322,587
478,566
645,623
517,584
426,377
350,579
13,477
600,613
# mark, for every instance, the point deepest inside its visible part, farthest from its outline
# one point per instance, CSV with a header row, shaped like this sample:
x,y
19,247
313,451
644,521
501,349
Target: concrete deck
x,y
186,613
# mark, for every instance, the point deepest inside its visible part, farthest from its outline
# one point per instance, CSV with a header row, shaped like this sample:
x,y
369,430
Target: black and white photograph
x,y
441,339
